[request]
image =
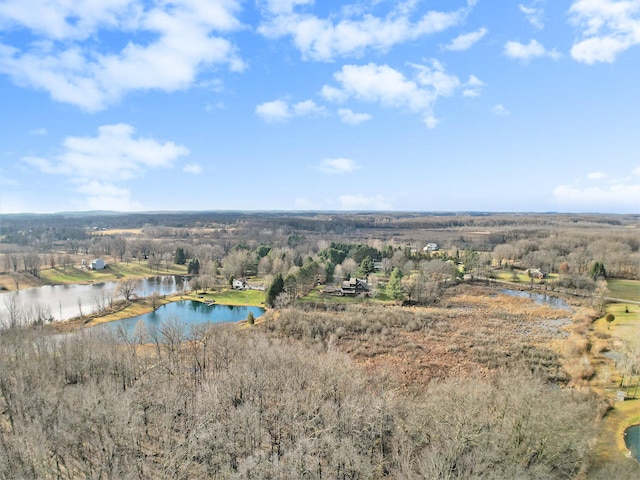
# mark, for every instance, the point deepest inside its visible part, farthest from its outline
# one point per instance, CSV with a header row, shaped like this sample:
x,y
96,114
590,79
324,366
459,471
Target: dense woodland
x,y
446,386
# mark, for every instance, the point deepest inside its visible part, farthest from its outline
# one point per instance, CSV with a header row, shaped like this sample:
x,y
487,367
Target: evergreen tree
x,y
366,266
180,257
194,267
394,287
597,270
275,289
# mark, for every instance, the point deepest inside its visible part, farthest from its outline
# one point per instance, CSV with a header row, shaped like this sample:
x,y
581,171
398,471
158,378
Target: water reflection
x,y
184,313
67,301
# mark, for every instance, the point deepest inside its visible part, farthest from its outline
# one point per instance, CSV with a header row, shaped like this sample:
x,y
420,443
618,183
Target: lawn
x,y
626,289
228,296
625,327
316,296
610,442
73,275
507,276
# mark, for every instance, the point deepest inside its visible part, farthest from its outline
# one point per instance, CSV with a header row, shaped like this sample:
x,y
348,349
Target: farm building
x,y
97,264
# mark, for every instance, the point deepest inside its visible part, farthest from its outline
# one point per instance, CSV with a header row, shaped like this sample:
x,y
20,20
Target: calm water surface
x,y
66,301
539,298
632,441
187,313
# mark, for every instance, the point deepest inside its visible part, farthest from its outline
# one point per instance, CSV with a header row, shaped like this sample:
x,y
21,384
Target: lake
x,y
632,441
539,298
65,301
187,312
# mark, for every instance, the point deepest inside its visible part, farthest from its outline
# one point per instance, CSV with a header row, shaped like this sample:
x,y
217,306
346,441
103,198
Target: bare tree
x,y
127,288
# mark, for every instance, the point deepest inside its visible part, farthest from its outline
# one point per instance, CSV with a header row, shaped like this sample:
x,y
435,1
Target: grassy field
x,y
316,295
112,272
610,442
624,330
228,296
625,327
507,276
626,289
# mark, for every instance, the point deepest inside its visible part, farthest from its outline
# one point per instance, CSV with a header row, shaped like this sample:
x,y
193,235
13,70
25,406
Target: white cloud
x,y
275,111
68,60
352,118
363,202
5,180
96,164
280,110
466,40
38,132
106,196
347,34
534,14
596,176
613,198
388,87
609,27
304,204
192,168
526,52
307,107
337,166
500,110
473,87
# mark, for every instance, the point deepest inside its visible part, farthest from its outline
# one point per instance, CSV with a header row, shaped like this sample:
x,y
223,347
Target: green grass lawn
x,y
626,325
315,296
228,296
59,275
626,289
507,275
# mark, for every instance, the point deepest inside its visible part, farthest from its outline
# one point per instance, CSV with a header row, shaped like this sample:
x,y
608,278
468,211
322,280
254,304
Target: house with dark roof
x,y
354,286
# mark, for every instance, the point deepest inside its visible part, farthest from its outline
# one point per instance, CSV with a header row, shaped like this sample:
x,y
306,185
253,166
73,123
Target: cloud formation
x,y
67,58
280,110
338,166
500,110
534,14
388,87
192,168
600,192
96,164
608,28
466,40
346,34
359,202
352,118
526,52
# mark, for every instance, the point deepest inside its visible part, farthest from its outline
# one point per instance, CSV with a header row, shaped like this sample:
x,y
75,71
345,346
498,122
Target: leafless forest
x,y
432,374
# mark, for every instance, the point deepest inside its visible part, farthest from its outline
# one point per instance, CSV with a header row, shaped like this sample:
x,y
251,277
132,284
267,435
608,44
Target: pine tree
x,y
275,289
180,257
394,287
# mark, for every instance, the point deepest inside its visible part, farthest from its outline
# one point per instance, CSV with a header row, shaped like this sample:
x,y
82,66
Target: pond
x,y
62,302
186,312
539,298
632,441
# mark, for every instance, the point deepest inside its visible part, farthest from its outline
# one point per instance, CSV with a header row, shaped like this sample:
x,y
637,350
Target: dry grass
x,y
474,331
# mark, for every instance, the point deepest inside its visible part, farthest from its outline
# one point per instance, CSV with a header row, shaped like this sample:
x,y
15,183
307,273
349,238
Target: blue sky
x,y
133,105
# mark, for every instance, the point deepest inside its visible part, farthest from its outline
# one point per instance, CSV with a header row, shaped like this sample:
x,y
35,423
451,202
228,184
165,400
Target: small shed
x,y
97,264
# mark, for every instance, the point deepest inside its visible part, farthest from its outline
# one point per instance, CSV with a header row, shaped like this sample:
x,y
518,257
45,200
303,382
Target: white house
x,y
431,247
97,264
239,284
